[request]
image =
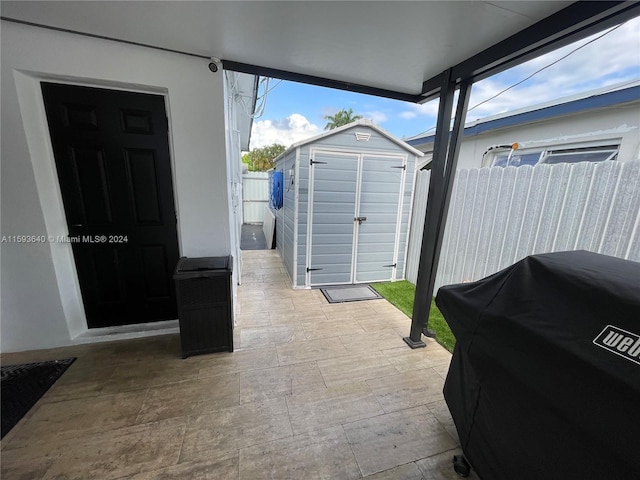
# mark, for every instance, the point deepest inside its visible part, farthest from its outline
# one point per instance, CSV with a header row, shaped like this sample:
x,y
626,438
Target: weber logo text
x,y
620,342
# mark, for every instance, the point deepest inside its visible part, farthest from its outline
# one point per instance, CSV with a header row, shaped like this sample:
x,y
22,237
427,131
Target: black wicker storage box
x,y
204,294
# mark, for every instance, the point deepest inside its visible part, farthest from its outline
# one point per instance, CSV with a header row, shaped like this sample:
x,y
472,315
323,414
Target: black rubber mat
x,y
23,385
350,293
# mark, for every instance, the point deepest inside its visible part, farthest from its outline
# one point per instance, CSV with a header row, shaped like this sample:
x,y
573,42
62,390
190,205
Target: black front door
x,y
112,157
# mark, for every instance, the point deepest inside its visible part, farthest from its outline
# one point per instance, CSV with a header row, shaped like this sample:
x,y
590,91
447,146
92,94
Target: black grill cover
x,y
544,381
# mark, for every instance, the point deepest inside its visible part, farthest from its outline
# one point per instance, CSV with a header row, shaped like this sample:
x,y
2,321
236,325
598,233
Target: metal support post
x,y
443,166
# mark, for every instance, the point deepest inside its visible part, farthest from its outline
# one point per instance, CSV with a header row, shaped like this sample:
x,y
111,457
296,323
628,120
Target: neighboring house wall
x,y
618,125
41,303
255,196
498,216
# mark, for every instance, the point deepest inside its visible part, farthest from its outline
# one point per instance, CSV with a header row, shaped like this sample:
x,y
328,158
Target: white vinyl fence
x,y
497,216
255,196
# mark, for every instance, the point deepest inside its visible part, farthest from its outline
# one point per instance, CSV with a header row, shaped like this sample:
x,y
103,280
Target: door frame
x,y
34,117
354,251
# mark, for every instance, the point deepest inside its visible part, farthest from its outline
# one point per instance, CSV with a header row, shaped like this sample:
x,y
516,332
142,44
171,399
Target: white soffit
x,y
389,45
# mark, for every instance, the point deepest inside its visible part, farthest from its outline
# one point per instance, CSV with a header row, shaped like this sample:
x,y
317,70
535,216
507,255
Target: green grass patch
x,y
401,294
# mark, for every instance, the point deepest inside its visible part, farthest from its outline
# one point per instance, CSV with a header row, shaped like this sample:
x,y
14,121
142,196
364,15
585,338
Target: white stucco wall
x,y
617,124
234,180
620,123
41,304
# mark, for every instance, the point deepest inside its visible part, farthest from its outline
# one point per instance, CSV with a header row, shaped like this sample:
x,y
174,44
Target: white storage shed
x,y
347,197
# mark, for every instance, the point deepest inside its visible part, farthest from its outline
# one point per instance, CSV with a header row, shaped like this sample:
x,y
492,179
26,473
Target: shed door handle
x,y
360,219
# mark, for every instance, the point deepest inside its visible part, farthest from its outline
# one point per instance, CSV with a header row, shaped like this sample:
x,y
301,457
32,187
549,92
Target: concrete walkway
x,y
252,238
313,391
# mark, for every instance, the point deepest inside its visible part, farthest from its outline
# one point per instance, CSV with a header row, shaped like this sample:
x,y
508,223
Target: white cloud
x,y
376,117
429,109
612,59
408,115
286,131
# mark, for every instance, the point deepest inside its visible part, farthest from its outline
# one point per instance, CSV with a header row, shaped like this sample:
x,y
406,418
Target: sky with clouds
x,y
294,111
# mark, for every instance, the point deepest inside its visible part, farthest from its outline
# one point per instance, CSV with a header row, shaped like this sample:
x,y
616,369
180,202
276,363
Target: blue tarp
x,y
275,190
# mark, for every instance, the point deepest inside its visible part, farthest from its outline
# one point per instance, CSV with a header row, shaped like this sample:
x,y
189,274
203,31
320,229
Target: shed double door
x,y
356,202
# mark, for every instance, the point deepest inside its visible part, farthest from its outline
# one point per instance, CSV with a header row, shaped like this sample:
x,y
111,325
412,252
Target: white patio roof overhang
x,y
413,51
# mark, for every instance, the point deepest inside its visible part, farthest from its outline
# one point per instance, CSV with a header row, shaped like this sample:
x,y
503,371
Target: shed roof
x,y
358,123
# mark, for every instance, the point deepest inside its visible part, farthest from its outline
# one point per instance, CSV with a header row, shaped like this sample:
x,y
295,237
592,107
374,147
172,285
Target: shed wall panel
x,y
285,216
303,210
405,220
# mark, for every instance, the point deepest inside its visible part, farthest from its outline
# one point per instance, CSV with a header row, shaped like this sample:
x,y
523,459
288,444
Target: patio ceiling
x,y
394,49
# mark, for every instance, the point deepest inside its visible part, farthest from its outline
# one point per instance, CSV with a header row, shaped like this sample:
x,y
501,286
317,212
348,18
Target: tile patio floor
x,y
313,391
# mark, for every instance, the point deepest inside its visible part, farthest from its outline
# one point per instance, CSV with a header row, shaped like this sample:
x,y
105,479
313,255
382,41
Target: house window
x,y
500,159
554,155
516,159
585,154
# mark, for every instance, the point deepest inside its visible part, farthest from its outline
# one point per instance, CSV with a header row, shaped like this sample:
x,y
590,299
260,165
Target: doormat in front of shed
x,y
23,385
350,293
